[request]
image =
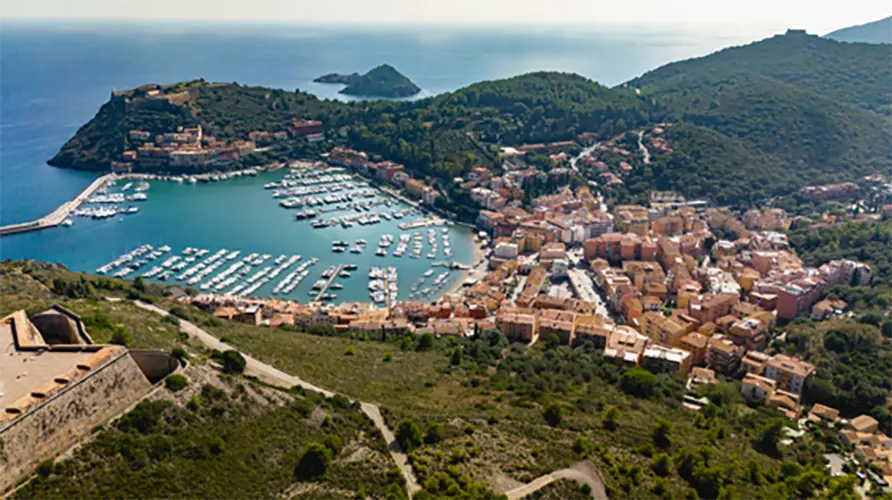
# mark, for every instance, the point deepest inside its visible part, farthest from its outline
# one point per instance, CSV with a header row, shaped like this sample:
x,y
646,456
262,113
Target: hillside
x,y
768,118
474,421
874,32
383,81
426,135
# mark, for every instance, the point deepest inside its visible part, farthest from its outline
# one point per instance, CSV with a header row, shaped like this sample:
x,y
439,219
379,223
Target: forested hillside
x,y
767,118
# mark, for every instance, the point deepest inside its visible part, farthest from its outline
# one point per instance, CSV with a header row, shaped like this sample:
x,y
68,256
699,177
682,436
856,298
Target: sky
x,y
816,16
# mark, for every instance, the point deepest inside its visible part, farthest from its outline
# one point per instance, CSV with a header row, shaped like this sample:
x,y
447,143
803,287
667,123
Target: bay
x,y
53,78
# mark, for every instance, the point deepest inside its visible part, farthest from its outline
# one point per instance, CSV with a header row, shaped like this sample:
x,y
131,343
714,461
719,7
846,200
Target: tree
x,y
139,285
610,419
456,356
554,414
313,462
662,465
408,435
426,342
551,340
233,362
770,436
661,434
433,433
638,382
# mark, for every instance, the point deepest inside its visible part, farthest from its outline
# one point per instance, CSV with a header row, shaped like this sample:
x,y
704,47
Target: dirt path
x,y
274,376
582,473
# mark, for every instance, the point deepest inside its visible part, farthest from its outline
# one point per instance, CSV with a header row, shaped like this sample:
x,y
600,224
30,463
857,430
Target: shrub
x,y
122,336
610,420
433,433
45,468
408,435
638,382
426,342
334,443
468,429
581,445
662,465
313,462
456,357
176,382
233,362
388,357
554,414
179,353
661,434
351,351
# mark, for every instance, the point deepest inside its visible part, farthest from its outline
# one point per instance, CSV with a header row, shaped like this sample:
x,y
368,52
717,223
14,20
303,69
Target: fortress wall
x,y
69,416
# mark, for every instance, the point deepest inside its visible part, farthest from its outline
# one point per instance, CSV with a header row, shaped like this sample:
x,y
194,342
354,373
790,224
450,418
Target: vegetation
x,y
383,81
239,440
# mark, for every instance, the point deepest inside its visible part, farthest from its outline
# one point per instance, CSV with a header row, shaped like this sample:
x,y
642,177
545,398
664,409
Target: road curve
x,y
274,376
582,473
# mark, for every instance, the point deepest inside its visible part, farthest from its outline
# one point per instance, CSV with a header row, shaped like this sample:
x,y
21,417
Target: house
x,y
658,358
722,355
625,345
789,373
702,376
515,326
863,423
827,308
560,323
825,414
756,388
696,344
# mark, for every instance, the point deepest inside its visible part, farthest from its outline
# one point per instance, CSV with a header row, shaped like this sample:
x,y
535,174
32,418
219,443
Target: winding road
x,y
582,473
643,148
276,377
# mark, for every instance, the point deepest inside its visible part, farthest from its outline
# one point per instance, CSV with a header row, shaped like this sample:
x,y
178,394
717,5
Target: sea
x,y
54,77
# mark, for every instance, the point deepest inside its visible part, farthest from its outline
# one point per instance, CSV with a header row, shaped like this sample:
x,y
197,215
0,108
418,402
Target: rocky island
x,y
383,81
338,78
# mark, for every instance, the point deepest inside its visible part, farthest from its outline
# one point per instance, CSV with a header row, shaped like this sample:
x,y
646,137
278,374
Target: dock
x,y
59,214
330,281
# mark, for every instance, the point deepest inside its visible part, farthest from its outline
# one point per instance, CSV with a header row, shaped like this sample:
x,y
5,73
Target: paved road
x,y
582,154
274,376
582,473
643,149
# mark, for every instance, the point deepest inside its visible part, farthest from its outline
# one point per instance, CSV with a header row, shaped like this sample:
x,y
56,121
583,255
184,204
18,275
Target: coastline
x,y
459,284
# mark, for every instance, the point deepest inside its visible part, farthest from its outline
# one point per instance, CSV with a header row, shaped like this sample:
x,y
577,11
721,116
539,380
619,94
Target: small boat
x,y
344,274
67,223
350,267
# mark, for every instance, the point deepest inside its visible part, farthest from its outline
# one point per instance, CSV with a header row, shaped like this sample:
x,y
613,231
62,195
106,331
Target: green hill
x,y
784,112
875,32
383,81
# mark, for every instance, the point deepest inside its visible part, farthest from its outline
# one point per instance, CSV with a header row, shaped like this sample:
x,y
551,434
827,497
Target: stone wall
x,y
68,417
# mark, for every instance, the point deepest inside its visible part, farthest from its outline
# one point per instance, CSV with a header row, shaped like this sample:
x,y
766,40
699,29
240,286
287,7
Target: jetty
x,y
329,282
59,214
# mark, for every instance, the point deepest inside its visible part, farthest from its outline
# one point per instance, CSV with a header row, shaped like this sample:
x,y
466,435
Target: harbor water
x,y
238,214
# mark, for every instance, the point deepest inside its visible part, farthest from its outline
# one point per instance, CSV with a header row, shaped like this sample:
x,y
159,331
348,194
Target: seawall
x,y
69,417
59,214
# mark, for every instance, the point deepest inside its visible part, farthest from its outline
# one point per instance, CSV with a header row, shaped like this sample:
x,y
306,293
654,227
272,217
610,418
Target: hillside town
x,y
649,286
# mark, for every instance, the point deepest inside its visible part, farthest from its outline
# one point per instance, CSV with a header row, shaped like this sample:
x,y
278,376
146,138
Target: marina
x,y
198,220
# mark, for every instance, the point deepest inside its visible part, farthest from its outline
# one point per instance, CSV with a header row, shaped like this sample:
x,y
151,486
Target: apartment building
x,y
789,373
658,358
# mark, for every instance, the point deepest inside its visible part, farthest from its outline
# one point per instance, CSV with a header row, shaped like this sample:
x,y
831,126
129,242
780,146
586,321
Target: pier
x,y
330,281
59,214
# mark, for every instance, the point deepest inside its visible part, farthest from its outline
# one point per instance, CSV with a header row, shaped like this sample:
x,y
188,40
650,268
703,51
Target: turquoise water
x,y
236,214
